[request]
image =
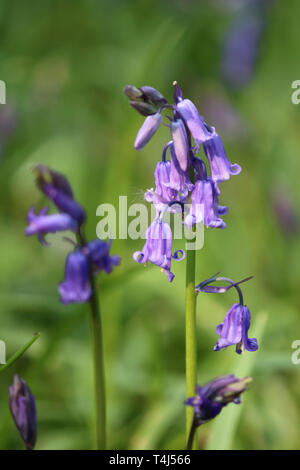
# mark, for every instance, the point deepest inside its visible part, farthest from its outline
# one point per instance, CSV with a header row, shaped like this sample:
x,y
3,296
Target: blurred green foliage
x,y
65,65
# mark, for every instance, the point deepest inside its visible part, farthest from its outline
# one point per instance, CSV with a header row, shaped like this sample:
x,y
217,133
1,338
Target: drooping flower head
x,y
98,253
158,248
162,194
88,258
23,410
212,397
195,123
76,287
57,188
171,183
184,175
204,205
41,224
234,329
220,166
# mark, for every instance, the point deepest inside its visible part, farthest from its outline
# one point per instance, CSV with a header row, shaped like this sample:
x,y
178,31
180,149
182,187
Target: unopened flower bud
x,y
212,397
57,188
22,407
153,95
133,92
145,109
148,129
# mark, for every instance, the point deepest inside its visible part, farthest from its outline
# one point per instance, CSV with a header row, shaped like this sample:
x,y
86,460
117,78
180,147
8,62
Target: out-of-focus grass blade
x,y
19,353
154,426
225,425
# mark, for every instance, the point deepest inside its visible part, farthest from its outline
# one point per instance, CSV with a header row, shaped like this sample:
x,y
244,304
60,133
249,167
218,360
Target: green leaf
x,y
225,425
19,353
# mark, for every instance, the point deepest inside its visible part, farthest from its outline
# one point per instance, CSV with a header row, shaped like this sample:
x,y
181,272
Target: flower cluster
x,y
234,329
87,259
184,176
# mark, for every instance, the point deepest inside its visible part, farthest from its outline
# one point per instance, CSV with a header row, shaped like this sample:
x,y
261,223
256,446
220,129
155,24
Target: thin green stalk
x,y
99,379
19,353
98,361
191,435
190,329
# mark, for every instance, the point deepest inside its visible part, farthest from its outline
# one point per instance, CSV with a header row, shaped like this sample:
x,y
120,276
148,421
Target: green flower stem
x,y
191,435
99,379
191,344
98,361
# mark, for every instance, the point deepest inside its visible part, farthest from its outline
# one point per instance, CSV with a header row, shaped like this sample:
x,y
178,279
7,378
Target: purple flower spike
x,y
194,122
76,286
42,224
204,205
234,330
147,131
216,394
98,252
220,166
23,410
158,248
181,144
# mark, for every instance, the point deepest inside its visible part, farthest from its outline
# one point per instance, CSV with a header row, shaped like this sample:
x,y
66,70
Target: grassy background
x,y
65,65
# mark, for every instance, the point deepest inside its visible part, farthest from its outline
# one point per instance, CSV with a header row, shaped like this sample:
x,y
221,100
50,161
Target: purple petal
x,y
231,332
76,286
181,145
220,166
194,122
250,344
147,131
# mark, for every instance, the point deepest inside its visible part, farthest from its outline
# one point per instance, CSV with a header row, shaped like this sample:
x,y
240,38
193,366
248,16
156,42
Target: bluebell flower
x,y
199,167
162,194
179,179
57,188
76,286
171,183
195,123
204,205
65,203
41,224
158,248
147,131
212,397
220,166
180,142
98,253
23,410
234,330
